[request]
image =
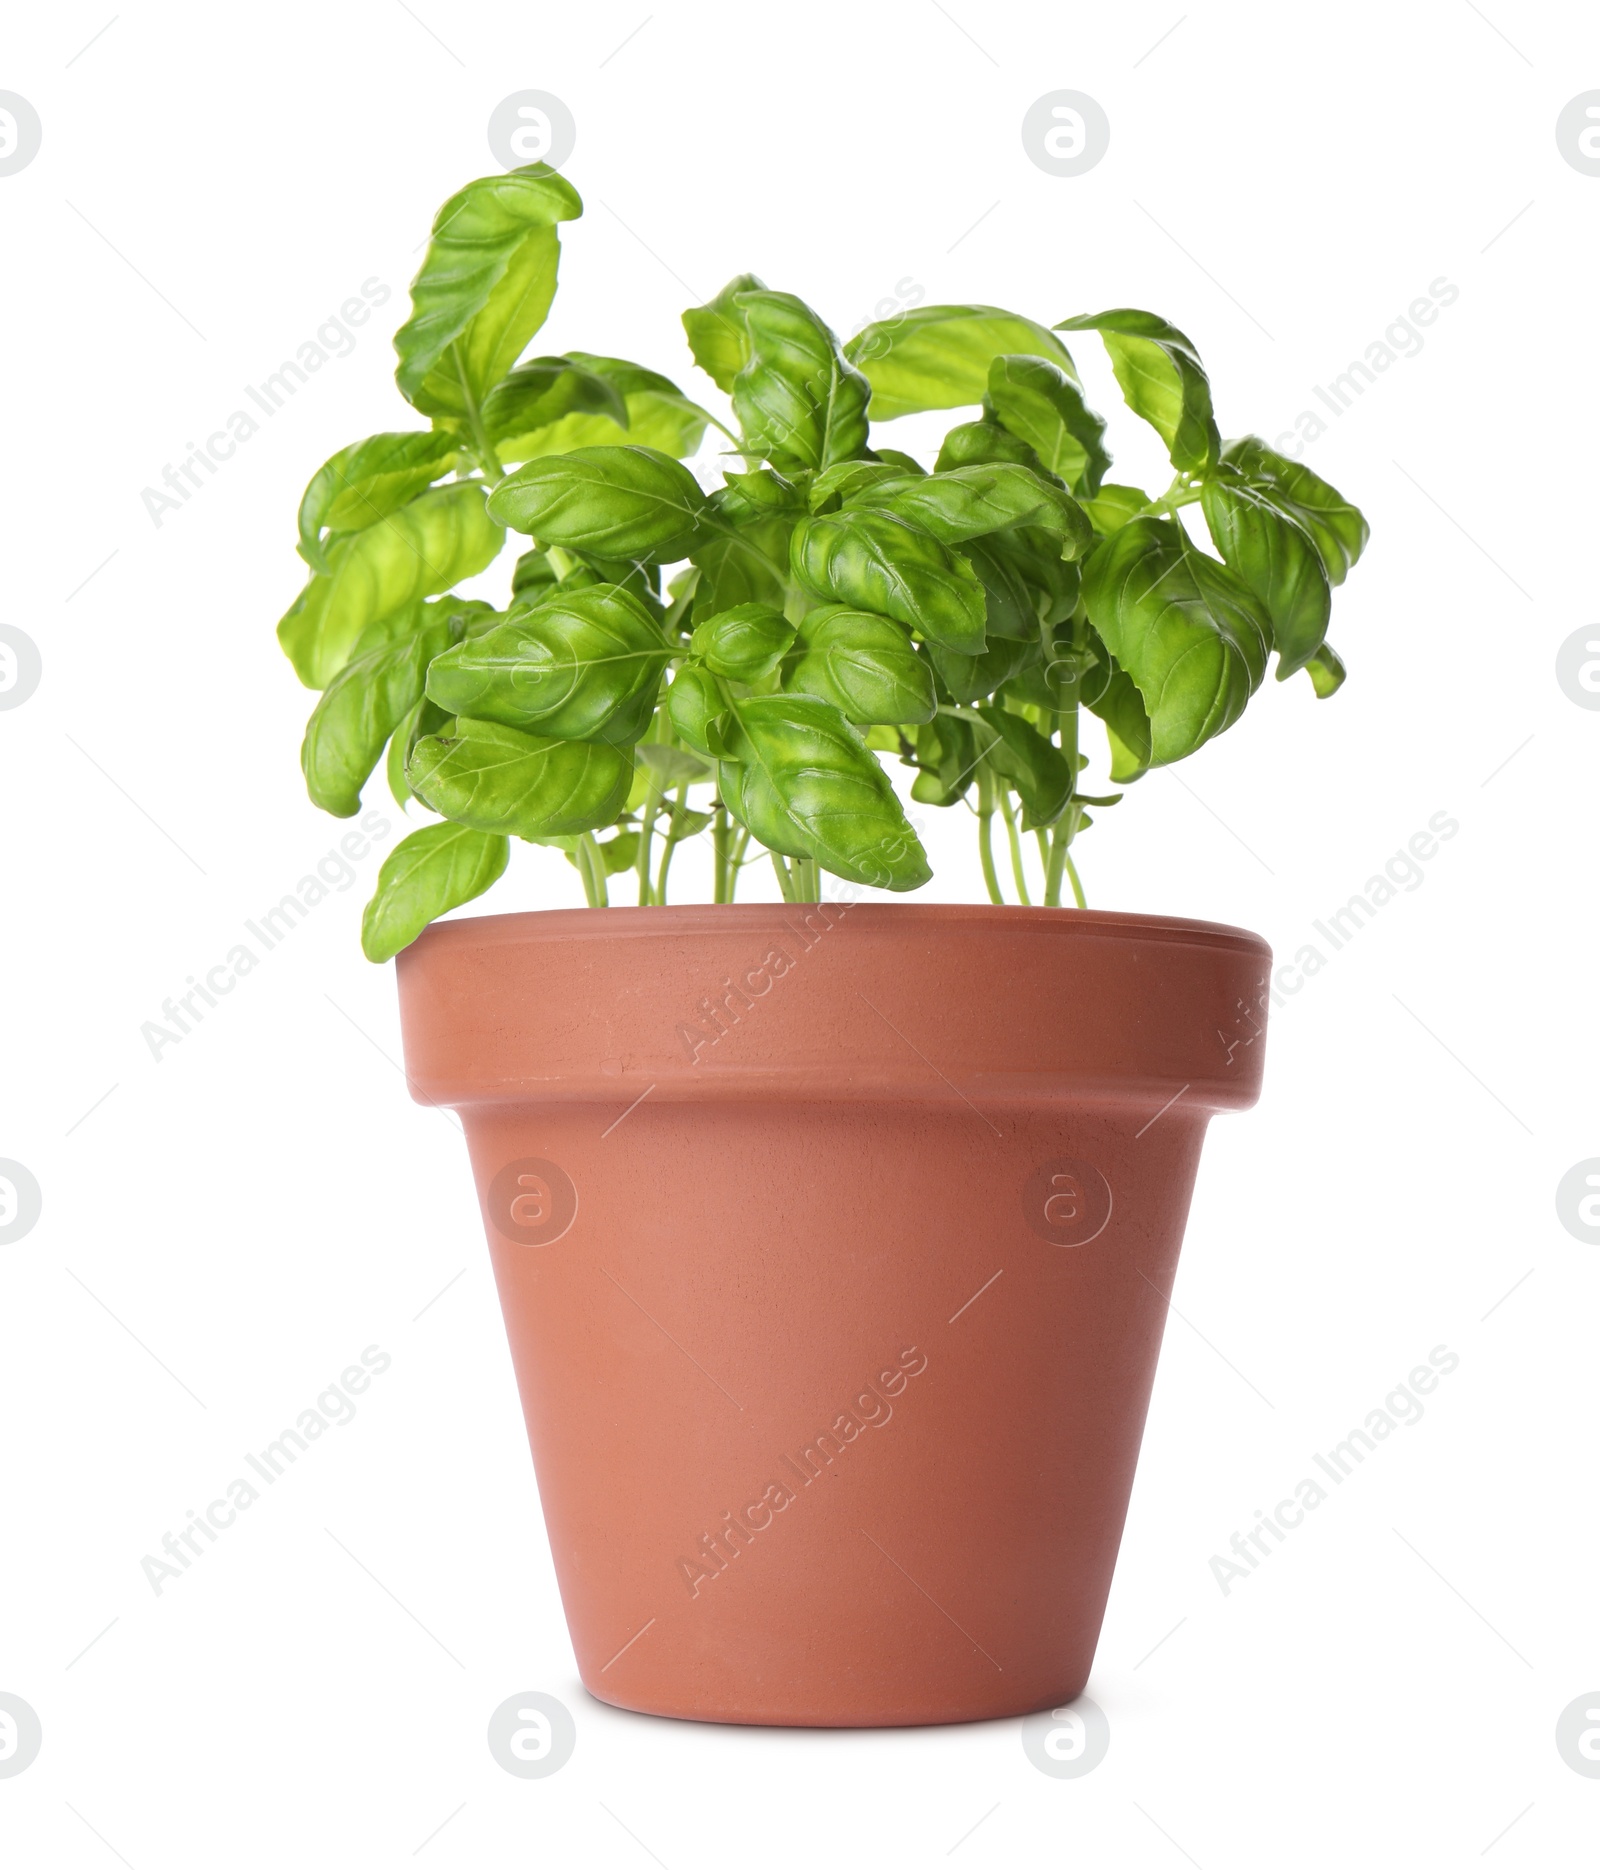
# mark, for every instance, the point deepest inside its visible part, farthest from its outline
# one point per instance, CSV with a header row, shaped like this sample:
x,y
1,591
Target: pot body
x,y
833,1245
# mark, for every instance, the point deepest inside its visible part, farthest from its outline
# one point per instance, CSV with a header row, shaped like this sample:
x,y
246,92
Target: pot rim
x,y
631,921
905,1002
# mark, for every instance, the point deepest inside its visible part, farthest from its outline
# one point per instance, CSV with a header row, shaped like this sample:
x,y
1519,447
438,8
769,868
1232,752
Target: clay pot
x,y
834,1245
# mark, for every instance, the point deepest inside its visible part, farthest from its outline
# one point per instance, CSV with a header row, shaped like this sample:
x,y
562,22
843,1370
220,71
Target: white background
x,y
227,1228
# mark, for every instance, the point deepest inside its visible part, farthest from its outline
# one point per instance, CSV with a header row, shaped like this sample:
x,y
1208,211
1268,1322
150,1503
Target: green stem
x,y
659,733
741,837
780,865
1068,687
719,854
1018,873
482,447
1182,492
592,868
1077,887
672,844
1061,857
647,826
985,825
1057,862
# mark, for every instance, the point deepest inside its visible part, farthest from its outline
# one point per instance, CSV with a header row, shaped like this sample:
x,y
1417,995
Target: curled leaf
x,y
866,666
484,287
497,779
629,502
1162,379
875,561
434,870
804,783
580,665
938,356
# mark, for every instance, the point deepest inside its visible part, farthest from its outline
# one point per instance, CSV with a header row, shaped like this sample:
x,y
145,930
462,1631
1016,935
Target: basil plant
x,y
738,663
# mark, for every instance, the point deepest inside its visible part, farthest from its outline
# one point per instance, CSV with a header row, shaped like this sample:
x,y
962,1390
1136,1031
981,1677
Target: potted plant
x,y
833,1235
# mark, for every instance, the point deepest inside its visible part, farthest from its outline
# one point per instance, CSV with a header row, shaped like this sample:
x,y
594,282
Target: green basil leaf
x,y
533,576
375,576
659,414
580,665
683,822
1114,506
1039,586
866,666
847,478
757,495
681,587
1010,608
606,401
971,444
627,502
497,779
938,356
1042,405
746,643
1338,529
1031,687
946,759
1121,709
716,331
957,504
472,614
1095,678
366,482
1327,672
1161,378
1276,557
423,719
638,577
484,287
539,393
619,853
799,403
435,869
741,560
672,766
876,562
969,678
1233,606
804,784
361,708
1036,771
1189,634
695,707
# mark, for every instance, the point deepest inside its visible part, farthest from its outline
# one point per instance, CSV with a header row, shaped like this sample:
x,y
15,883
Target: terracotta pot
x,y
833,1245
